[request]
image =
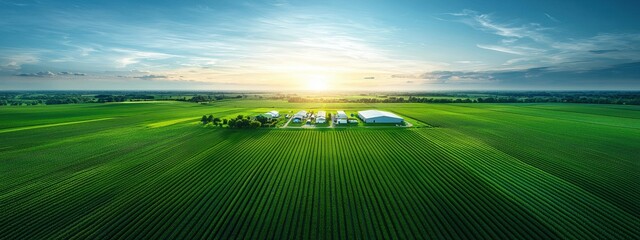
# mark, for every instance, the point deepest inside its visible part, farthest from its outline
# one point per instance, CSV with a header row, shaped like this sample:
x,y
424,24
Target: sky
x,y
355,45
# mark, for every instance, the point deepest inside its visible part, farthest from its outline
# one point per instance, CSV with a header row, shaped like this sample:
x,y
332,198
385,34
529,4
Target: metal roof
x,y
301,113
377,113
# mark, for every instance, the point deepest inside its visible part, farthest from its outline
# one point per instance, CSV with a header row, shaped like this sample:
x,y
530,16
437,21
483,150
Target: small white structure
x,y
376,116
341,117
274,114
321,117
299,116
271,114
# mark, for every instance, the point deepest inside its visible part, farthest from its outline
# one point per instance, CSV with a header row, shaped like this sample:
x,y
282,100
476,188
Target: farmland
x,y
150,170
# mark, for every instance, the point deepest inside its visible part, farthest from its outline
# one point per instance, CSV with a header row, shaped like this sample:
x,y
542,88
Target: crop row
x,y
361,183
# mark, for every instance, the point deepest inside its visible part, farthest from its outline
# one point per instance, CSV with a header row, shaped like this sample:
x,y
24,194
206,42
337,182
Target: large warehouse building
x,y
375,116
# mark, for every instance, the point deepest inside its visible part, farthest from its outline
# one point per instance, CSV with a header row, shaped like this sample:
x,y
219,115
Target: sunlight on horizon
x,y
318,82
351,45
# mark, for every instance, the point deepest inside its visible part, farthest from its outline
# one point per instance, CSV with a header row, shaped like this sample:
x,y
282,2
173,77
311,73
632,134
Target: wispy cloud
x,y
537,45
604,51
532,77
551,17
501,49
514,49
151,77
487,22
14,61
468,62
37,74
50,74
17,4
278,43
280,40
127,57
72,74
450,77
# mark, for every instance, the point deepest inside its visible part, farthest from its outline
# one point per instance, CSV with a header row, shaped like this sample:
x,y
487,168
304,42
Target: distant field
x,y
517,171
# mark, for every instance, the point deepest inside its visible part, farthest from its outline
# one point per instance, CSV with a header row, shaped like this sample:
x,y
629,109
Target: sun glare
x,y
317,83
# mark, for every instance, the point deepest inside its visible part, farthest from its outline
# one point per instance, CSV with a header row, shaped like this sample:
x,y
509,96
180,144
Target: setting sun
x,y
317,83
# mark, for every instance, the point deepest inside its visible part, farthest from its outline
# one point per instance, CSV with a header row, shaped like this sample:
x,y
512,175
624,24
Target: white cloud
x,y
15,61
469,62
152,76
126,57
50,74
501,49
541,48
486,22
272,43
551,17
37,74
72,73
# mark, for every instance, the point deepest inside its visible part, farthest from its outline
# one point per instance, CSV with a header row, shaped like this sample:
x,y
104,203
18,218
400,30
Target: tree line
x,y
209,98
17,98
240,121
611,98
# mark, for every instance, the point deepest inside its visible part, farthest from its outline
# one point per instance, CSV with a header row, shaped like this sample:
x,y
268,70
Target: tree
x,y
204,119
232,123
240,117
261,119
210,118
216,121
200,99
255,124
243,123
225,121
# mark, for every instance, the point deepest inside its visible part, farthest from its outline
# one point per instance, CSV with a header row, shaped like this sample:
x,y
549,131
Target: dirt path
x,y
287,124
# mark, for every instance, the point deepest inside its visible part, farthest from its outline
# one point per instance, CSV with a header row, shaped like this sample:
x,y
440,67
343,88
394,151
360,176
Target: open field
x,y
482,171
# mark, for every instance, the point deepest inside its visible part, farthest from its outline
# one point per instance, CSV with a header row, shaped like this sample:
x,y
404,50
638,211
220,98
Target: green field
x,y
150,170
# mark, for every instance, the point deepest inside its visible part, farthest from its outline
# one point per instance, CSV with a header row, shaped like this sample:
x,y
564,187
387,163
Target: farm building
x,y
299,116
341,117
271,114
274,114
321,117
376,116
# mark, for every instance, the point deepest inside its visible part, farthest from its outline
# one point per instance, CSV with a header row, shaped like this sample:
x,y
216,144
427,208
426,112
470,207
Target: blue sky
x,y
319,45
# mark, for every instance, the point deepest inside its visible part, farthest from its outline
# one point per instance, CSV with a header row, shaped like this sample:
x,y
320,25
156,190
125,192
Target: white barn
x,y
321,117
341,117
376,116
299,116
274,114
